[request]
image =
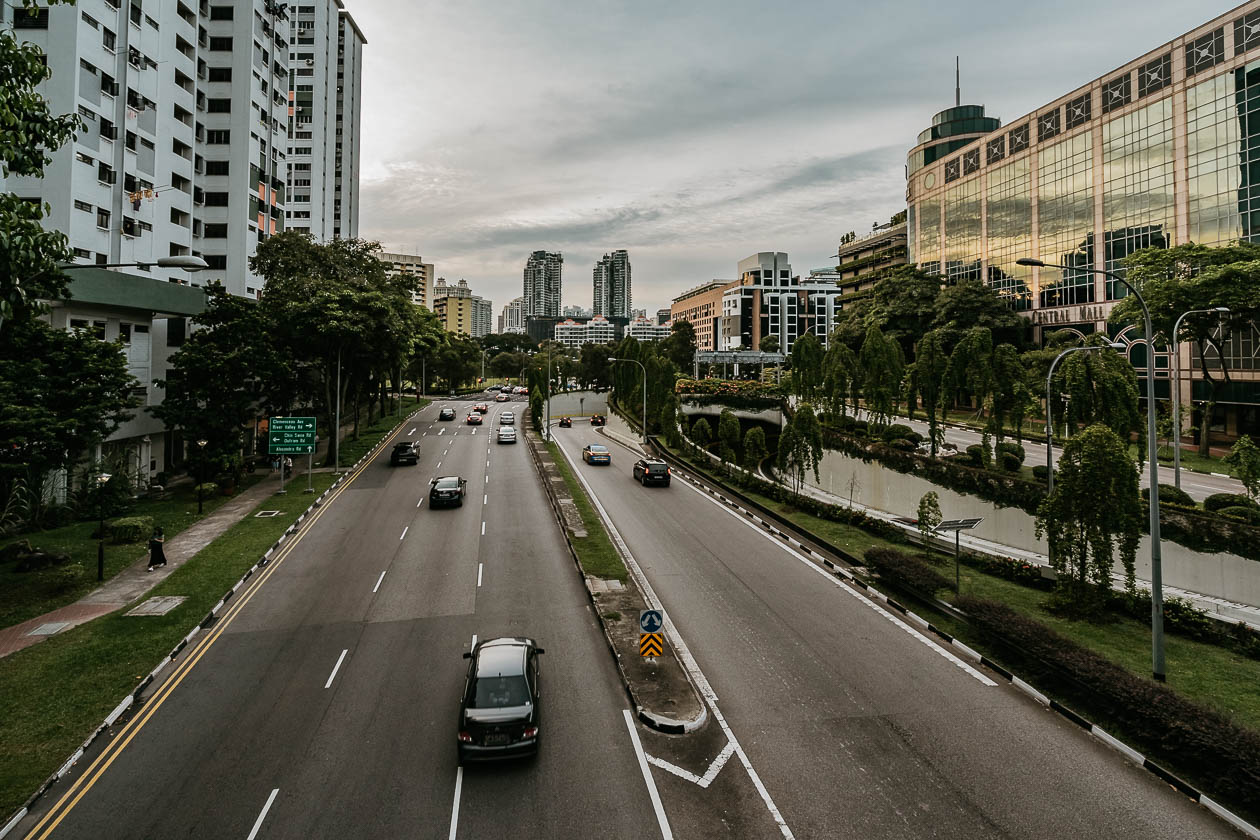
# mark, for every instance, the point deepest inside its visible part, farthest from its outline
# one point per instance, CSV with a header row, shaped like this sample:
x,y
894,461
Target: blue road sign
x,y
650,621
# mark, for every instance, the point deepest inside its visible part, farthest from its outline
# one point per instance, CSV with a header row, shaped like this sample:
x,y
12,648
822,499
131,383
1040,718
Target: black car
x,y
498,715
406,452
446,414
566,422
651,471
598,420
447,490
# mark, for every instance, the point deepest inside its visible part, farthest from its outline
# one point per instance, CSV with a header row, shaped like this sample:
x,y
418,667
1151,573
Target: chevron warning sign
x,y
651,644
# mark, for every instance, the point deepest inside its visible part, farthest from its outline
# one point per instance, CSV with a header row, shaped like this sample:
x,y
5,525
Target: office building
x,y
860,259
513,318
597,330
662,316
646,329
576,312
702,306
414,266
543,328
482,317
543,283
324,103
459,310
611,285
1156,153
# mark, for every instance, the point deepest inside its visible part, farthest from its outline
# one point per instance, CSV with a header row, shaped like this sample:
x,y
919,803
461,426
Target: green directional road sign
x,y
291,435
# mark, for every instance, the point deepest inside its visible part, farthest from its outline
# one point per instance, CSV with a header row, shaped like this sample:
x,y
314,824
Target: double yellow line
x,y
49,822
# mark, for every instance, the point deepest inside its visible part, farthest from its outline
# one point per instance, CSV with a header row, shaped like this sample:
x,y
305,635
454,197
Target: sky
x,y
693,133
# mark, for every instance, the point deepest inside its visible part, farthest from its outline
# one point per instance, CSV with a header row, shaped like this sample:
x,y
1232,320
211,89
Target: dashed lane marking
x,y
378,582
336,668
253,832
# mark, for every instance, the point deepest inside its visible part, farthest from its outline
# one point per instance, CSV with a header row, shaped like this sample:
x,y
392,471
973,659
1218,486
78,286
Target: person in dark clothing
x,y
157,556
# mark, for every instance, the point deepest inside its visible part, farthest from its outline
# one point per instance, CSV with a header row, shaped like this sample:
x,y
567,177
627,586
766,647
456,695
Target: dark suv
x,y
406,452
498,714
651,471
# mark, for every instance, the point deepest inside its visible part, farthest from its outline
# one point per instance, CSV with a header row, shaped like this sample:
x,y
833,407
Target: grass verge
x,y
24,595
595,551
53,694
352,450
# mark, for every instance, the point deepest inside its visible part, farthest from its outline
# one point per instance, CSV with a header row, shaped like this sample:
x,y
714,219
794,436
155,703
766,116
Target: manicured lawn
x,y
52,695
26,595
596,553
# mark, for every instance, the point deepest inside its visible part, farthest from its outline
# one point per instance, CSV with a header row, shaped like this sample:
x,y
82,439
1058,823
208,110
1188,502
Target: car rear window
x,y
657,469
448,484
499,692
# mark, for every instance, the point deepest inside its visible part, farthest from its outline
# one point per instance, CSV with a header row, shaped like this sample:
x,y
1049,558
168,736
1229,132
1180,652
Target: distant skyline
x,y
692,135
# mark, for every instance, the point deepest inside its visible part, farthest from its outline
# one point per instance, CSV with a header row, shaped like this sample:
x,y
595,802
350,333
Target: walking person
x,y
157,556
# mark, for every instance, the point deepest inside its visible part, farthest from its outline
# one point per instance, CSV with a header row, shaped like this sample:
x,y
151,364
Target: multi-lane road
x,y
324,703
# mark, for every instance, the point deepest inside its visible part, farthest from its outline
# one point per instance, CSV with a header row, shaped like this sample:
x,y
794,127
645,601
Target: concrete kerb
x,y
133,698
1128,752
651,719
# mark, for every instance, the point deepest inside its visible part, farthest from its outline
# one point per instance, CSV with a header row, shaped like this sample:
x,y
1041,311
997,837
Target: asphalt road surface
x,y
834,718
326,705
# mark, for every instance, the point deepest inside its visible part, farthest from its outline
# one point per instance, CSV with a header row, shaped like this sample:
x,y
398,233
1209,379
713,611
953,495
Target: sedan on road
x,y
651,471
446,414
507,434
598,420
507,418
501,397
481,408
447,490
566,422
474,419
405,452
498,714
595,453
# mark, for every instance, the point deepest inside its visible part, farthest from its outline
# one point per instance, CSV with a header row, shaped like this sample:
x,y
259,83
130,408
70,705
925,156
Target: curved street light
x,y
201,471
1157,572
641,367
1176,388
1115,345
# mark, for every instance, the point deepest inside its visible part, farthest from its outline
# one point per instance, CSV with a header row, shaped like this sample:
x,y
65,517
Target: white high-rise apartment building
x,y
542,283
611,285
482,316
513,318
326,59
414,265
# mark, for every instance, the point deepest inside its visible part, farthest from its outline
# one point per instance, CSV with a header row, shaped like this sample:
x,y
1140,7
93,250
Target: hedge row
x,y
746,387
906,571
1222,756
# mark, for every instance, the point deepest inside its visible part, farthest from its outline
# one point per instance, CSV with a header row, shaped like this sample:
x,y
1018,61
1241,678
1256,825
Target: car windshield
x,y
499,692
447,484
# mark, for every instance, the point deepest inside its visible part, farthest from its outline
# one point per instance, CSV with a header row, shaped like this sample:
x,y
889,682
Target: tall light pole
x,y
642,368
201,470
1049,420
1176,388
101,480
1157,572
547,424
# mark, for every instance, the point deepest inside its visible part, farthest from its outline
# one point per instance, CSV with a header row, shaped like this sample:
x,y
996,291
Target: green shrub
x,y
207,490
1041,472
975,453
903,444
1171,494
1243,514
861,427
905,571
1217,501
1013,448
130,529
1009,461
895,431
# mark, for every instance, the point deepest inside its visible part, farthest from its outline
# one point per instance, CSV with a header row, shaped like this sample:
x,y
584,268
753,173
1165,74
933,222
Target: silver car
x,y
507,418
507,434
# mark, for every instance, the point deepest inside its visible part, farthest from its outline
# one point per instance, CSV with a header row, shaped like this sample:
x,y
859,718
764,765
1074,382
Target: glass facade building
x,y
1163,151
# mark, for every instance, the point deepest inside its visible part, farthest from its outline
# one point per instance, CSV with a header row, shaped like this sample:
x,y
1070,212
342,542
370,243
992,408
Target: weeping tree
x,y
925,383
969,374
701,434
881,365
801,447
754,448
1094,517
728,435
807,367
841,378
1099,387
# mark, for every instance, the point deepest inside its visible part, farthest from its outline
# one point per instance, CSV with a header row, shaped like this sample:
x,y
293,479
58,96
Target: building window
x,y
1155,75
217,262
215,231
952,171
1009,212
217,167
971,161
108,39
995,149
220,74
1137,185
30,19
216,199
1079,110
1017,139
219,106
1116,93
102,218
1065,207
221,12
1048,125
1247,32
962,231
1223,145
221,44
83,205
218,136
1206,52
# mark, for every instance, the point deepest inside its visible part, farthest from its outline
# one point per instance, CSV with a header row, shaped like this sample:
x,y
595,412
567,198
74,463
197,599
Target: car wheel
x,y
460,503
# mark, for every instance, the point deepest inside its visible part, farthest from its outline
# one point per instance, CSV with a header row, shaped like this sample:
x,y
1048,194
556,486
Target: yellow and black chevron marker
x,y
651,644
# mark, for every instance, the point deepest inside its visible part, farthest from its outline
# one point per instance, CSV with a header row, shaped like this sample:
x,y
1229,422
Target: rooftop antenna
x,y
957,84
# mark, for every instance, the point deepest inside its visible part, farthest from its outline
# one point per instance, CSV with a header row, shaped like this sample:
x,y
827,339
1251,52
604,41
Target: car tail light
x,y
465,737
668,471
530,732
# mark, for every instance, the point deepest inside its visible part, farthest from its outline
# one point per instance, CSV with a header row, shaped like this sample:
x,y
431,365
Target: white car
x,y
507,434
507,418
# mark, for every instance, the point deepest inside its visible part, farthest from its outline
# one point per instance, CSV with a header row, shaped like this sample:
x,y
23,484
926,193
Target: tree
x,y
1099,387
970,371
754,449
1244,462
801,446
680,346
929,518
61,394
507,343
1176,280
807,365
926,382
1094,515
29,132
841,378
728,435
770,344
971,303
594,367
668,419
701,434
881,367
904,305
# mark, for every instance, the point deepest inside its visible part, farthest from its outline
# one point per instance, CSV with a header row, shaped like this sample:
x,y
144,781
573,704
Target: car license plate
x,y
497,739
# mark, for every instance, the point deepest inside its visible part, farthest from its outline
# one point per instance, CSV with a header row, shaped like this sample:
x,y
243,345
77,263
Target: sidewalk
x,y
135,581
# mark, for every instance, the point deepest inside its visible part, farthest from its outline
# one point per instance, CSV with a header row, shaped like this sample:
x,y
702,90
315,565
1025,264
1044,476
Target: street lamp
x,y
1157,572
1115,345
101,481
640,364
201,471
1176,388
187,263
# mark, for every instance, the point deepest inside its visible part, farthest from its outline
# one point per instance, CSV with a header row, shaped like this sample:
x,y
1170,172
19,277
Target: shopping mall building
x,y
1157,153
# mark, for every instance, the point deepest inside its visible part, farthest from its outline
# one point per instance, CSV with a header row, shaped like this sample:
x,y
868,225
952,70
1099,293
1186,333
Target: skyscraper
x,y
542,283
513,318
611,285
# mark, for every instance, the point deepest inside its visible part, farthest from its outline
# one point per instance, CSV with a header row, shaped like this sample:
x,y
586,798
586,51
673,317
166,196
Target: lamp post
x,y
201,470
1049,420
642,368
1176,388
1157,572
547,424
101,481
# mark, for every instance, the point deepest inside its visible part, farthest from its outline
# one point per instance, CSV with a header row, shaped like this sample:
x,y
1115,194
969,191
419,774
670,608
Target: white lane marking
x,y
485,498
459,784
422,434
704,781
420,502
661,819
336,668
473,432
441,431
847,589
378,582
487,481
412,432
474,642
483,527
487,461
684,652
479,565
258,822
404,533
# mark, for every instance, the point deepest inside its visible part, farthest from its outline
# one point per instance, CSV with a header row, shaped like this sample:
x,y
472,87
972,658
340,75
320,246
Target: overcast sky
x,y
692,133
